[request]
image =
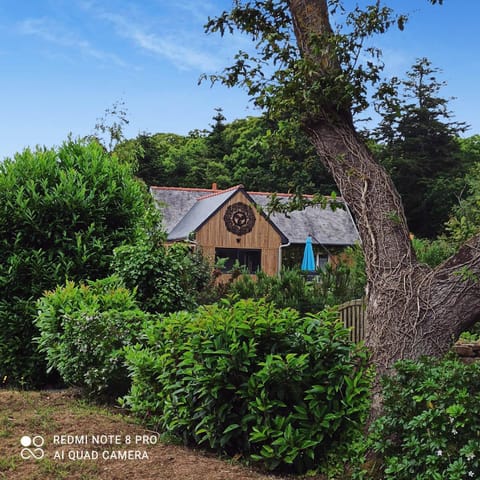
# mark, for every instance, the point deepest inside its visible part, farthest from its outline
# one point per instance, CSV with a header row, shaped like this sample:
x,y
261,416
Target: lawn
x,y
85,442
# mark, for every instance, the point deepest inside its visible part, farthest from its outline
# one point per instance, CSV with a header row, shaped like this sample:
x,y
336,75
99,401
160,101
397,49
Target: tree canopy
x,y
262,154
63,211
420,147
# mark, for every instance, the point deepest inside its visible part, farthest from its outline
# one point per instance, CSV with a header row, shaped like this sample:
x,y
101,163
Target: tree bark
x,y
412,310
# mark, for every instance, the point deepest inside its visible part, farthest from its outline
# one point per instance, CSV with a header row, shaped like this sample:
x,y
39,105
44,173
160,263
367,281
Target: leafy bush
x,y
465,219
344,280
247,378
289,289
83,329
62,212
431,422
433,252
472,335
166,279
18,357
292,288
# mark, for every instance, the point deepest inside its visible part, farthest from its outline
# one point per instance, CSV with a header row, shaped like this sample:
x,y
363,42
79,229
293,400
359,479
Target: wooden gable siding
x,y
213,234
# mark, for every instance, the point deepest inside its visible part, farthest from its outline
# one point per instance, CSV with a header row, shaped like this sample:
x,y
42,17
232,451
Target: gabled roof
x,y
176,202
185,210
199,213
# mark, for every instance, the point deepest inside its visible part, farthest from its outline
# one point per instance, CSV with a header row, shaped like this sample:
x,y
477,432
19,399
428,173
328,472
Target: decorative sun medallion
x,y
239,218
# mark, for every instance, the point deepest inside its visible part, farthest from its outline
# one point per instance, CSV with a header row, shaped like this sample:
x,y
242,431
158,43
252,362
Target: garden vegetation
x,y
91,296
268,373
63,212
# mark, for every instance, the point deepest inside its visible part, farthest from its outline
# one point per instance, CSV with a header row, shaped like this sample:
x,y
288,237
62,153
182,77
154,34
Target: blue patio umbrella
x,y
308,262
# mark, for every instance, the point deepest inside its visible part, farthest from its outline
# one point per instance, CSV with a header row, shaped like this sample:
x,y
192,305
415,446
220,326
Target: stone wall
x,y
468,351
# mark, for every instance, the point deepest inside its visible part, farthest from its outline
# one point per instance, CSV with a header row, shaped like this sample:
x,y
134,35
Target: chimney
x,y
214,186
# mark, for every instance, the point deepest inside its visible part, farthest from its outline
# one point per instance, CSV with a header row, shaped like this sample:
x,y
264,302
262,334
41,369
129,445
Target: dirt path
x,y
77,441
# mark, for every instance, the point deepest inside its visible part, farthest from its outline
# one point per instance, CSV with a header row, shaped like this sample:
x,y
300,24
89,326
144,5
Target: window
x,y
250,259
322,262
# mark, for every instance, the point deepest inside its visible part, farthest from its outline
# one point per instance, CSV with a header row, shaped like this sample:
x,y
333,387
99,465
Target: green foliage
x,y
271,156
470,148
109,128
346,280
332,72
471,336
215,139
163,158
419,147
431,421
433,252
258,153
166,279
292,288
465,220
83,330
20,364
247,378
62,212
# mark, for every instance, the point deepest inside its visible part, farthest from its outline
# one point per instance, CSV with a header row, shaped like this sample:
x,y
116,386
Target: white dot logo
x,y
26,441
37,452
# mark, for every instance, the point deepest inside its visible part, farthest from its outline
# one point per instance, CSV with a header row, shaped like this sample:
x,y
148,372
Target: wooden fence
x,y
353,316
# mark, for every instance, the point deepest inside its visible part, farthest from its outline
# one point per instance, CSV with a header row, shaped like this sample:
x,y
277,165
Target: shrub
x,y
247,378
292,288
431,422
289,289
83,329
465,219
433,252
345,279
472,334
166,278
18,357
63,211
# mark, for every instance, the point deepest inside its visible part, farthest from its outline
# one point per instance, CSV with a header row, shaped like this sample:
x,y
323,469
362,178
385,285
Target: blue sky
x,y
63,62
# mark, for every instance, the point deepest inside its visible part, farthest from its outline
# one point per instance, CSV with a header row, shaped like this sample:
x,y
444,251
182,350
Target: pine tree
x,y
419,147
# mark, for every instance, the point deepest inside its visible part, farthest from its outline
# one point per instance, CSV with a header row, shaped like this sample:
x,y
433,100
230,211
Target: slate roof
x,y
186,209
203,208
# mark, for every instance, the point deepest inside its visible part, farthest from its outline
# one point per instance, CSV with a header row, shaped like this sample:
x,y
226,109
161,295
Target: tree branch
x,y
456,285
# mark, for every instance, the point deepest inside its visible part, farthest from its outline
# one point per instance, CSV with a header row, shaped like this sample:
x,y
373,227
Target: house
x,y
228,224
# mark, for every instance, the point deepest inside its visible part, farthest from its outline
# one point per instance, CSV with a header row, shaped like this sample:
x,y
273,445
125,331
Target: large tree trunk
x,y
412,310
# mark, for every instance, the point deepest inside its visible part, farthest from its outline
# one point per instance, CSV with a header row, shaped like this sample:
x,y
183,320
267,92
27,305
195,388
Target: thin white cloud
x,y
171,31
181,56
172,47
196,9
48,30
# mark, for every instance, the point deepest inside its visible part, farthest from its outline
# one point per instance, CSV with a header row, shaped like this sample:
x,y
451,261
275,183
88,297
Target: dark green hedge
x,y
62,213
247,378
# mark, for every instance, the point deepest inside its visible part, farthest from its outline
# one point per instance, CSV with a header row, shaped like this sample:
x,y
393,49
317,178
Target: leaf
x,y
232,427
